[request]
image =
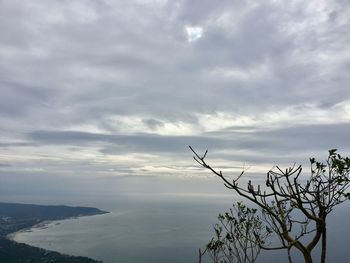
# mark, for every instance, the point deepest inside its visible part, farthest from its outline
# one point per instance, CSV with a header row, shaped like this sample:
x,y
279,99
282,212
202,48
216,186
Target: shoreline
x,y
11,236
43,225
13,244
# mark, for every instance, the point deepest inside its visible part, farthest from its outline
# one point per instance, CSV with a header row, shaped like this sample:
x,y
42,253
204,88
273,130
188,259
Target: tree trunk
x,y
324,244
307,257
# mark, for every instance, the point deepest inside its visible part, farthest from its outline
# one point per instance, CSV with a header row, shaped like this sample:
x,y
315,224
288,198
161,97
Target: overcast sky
x,y
105,88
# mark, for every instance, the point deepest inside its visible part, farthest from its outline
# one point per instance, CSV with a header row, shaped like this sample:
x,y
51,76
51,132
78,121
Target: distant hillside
x,y
12,252
14,217
46,212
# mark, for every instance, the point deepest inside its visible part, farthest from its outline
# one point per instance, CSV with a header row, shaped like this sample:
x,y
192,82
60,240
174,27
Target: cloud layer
x,y
111,88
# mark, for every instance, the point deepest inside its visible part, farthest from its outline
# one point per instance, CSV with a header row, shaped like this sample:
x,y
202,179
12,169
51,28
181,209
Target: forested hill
x,y
14,217
45,212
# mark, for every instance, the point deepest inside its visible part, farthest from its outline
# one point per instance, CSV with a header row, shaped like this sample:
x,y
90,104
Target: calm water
x,y
135,231
157,229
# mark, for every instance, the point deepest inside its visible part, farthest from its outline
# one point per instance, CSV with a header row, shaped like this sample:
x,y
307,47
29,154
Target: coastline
x,y
37,217
12,236
43,225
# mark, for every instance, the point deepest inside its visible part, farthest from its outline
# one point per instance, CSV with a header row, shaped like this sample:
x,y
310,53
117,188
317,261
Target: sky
x,y
101,90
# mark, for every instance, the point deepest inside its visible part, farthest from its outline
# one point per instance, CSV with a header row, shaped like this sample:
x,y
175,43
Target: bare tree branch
x,y
287,197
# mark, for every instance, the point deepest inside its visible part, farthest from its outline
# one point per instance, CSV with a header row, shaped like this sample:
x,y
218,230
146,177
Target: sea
x,y
158,228
136,230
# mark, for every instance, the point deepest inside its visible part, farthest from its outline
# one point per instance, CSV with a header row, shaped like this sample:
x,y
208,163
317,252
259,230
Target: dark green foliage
x,y
11,252
45,212
238,236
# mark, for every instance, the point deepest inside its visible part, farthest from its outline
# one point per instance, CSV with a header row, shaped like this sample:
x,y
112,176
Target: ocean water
x,y
135,231
157,226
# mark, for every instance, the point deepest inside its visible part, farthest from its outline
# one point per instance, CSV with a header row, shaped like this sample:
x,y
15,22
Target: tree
x,y
236,236
294,208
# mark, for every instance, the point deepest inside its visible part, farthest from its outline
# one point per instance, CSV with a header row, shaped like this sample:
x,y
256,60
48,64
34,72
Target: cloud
x,y
86,81
193,33
273,142
18,100
5,165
